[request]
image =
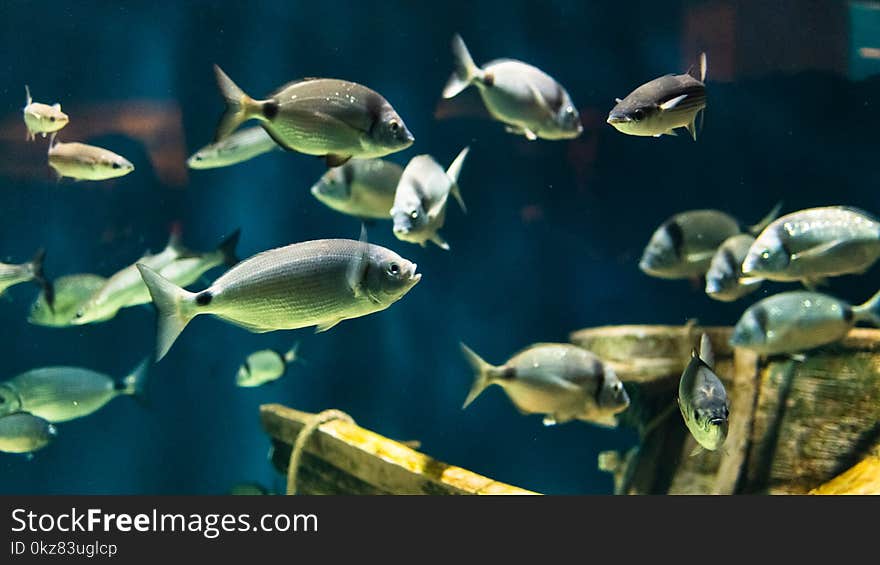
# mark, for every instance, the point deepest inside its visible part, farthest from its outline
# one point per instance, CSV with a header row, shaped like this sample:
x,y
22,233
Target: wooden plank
x,y
863,478
743,396
371,459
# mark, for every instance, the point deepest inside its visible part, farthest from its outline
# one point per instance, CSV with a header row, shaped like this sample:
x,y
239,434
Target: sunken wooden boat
x,y
797,426
336,456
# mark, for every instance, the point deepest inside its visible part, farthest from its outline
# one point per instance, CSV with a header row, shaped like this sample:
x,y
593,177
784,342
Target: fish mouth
x,y
618,119
712,286
716,421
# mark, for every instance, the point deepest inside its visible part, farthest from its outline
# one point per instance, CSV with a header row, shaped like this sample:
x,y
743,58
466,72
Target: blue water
x,y
550,244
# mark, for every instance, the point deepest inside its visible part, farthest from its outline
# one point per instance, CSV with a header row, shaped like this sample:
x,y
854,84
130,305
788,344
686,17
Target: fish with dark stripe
x,y
660,106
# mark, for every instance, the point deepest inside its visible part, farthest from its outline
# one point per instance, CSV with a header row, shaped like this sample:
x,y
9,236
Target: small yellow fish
x,y
86,162
42,118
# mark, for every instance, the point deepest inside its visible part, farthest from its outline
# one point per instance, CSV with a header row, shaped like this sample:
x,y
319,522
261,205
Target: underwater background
x,y
550,243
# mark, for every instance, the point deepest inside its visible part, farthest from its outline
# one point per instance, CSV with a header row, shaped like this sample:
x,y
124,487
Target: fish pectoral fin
x,y
357,267
334,160
813,283
835,246
439,242
673,102
530,135
324,326
541,101
696,451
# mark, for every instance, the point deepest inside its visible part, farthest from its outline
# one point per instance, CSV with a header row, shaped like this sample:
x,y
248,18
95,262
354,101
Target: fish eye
x,y
394,268
116,165
765,254
569,111
51,118
414,214
638,114
394,125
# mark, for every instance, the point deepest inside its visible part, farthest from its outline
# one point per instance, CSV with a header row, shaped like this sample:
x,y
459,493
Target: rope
x,y
313,424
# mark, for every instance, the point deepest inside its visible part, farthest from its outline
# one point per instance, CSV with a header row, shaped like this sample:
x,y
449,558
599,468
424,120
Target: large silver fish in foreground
x,y
559,380
810,245
314,283
363,188
335,119
24,433
791,322
11,275
660,106
241,146
59,394
528,100
703,400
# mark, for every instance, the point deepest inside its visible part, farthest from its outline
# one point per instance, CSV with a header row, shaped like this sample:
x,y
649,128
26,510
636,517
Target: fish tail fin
x,y
766,220
175,307
36,267
135,383
482,374
227,248
869,312
466,71
239,106
27,95
453,172
706,353
292,354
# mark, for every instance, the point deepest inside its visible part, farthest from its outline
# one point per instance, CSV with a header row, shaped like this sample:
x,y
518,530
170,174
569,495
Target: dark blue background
x,y
511,279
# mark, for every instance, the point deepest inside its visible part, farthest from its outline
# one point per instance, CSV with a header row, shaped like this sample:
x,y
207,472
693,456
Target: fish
x,y
814,244
313,283
660,106
125,287
86,162
724,279
702,399
71,291
42,118
529,101
559,380
188,267
363,188
791,322
264,366
331,118
11,275
25,433
59,393
684,245
419,209
240,146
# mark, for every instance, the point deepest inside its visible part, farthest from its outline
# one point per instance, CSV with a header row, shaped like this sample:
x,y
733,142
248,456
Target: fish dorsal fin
x,y
706,353
287,85
357,268
453,172
27,94
618,100
541,101
704,66
762,224
57,106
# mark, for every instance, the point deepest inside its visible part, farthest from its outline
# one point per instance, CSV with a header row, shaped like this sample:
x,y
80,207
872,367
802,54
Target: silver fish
x,y
188,267
86,162
812,244
25,433
240,146
562,381
683,246
790,322
725,280
419,209
59,394
125,287
363,188
71,292
314,283
11,275
335,119
528,100
660,106
265,366
702,399
42,118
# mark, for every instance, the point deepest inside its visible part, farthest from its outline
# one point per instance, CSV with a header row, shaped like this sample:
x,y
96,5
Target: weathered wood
x,y
342,457
647,353
793,425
